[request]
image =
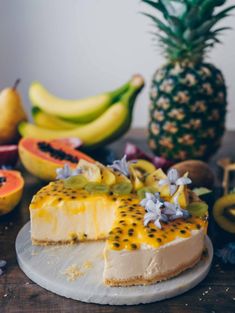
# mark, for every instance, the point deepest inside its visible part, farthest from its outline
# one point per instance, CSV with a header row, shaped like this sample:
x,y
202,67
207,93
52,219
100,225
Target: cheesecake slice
x,y
136,252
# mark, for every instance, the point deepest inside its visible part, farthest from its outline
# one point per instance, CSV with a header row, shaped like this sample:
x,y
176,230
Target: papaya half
x,y
11,189
42,157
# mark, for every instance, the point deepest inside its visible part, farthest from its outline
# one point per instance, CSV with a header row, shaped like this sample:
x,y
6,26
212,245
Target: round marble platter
x,y
75,271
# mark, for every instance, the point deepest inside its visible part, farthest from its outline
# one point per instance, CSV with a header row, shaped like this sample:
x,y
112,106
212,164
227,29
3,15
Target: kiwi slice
x,y
96,188
122,188
198,208
77,182
142,167
141,193
224,212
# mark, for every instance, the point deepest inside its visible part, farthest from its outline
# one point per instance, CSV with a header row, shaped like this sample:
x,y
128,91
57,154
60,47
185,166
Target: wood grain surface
x,y
20,295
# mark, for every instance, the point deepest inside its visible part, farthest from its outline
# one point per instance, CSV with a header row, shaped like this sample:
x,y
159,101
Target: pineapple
x,y
188,95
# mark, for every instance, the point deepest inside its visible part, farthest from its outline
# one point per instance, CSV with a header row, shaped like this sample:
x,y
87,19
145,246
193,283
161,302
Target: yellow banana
x,y
82,111
110,125
49,121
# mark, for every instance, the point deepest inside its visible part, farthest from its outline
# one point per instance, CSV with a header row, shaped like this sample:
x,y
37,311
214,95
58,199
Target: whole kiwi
x,y
198,171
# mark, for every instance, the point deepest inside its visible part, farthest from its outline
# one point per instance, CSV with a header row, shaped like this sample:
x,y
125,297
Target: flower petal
x,y
170,206
173,189
158,224
183,181
148,217
163,181
172,175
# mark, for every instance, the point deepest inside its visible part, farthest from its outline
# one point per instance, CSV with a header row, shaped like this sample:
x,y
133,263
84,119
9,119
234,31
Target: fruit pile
x,y
123,178
96,121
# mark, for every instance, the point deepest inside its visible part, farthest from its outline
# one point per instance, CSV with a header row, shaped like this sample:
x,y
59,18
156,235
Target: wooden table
x,y
18,294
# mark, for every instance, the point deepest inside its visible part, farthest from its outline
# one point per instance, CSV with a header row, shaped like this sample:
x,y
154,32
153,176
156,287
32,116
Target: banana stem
x,y
16,84
117,93
136,84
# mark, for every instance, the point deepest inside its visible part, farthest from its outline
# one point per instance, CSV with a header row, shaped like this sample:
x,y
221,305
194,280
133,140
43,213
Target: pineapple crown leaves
x,y
186,28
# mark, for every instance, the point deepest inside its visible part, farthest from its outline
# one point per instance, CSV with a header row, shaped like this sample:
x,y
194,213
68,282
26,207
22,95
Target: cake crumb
x,y
87,265
72,272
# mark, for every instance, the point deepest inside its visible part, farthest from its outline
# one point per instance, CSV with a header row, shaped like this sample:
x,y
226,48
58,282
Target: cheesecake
x,y
153,226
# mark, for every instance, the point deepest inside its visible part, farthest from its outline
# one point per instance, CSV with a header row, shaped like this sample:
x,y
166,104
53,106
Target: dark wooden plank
x,y
18,294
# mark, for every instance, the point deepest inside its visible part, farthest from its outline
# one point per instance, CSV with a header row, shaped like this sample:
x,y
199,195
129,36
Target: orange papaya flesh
x,y
11,189
42,157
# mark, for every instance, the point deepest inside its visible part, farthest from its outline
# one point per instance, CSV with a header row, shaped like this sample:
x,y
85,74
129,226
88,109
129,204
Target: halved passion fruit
x,y
224,212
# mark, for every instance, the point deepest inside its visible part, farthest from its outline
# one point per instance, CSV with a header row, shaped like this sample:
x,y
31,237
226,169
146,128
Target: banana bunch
x,y
96,120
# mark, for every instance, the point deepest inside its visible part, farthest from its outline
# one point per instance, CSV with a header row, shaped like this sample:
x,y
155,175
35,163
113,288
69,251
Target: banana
x,y
82,111
49,121
112,124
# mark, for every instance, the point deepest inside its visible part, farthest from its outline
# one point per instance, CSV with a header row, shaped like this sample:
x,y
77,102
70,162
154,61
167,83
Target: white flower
x,y
152,204
173,180
66,172
122,166
153,213
174,211
157,211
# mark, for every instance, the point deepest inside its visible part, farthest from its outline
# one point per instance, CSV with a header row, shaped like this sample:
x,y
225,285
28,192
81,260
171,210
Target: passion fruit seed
x,y
124,188
93,187
141,193
198,208
75,182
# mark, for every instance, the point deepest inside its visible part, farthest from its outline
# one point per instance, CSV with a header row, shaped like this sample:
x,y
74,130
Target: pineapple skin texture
x,y
187,111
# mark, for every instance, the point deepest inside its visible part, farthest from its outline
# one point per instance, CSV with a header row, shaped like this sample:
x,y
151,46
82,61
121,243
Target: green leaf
x,y
156,5
207,8
167,30
191,17
219,2
224,12
176,25
201,191
198,208
166,41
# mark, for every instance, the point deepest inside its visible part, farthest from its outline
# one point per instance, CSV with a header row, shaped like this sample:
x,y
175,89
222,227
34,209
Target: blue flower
x,y
227,254
121,166
173,180
174,211
66,172
159,211
152,204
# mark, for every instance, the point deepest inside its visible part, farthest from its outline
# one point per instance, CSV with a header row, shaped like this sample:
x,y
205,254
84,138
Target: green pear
x,y
11,114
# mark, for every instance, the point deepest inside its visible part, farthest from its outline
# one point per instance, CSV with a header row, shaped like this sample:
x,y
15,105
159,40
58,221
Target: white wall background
x,y
78,48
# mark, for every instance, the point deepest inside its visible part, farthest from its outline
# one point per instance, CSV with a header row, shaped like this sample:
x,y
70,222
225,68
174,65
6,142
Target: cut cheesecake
x,y
134,254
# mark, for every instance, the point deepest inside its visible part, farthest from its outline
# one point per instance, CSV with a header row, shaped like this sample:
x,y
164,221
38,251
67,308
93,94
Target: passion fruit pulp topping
x,y
128,231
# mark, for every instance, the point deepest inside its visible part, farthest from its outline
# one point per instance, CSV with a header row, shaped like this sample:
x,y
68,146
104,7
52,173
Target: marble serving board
x,y
75,271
